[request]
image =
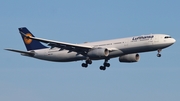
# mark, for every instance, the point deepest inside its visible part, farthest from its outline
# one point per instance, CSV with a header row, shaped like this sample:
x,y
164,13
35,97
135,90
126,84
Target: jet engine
x,y
129,58
98,52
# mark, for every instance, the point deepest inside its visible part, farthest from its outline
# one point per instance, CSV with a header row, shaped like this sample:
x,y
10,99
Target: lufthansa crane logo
x,y
27,40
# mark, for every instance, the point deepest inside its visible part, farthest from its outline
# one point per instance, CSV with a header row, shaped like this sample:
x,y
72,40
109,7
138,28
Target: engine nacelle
x,y
98,52
129,58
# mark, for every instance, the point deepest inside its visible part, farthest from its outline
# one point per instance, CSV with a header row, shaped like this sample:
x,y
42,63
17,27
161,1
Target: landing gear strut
x,y
105,64
159,55
88,61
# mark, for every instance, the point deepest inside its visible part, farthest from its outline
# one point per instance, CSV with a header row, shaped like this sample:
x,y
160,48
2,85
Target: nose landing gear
x,y
159,55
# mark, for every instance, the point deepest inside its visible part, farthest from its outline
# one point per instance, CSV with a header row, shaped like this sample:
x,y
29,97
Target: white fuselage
x,y
117,47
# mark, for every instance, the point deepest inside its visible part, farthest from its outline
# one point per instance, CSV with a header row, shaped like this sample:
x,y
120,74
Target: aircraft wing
x,y
63,45
22,52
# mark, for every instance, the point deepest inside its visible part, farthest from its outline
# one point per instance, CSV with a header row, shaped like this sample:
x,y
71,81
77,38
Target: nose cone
x,y
173,40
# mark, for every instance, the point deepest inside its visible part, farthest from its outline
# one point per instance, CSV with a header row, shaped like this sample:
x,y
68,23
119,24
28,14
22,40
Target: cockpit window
x,y
167,37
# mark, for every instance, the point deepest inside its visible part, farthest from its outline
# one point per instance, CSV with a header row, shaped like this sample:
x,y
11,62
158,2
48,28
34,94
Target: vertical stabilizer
x,y
30,43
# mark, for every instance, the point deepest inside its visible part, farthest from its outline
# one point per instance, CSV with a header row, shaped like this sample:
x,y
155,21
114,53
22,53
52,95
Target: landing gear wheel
x,y
84,65
88,62
102,68
106,64
158,55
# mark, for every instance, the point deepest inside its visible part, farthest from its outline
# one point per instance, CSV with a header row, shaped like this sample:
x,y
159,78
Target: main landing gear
x,y
88,61
159,55
105,64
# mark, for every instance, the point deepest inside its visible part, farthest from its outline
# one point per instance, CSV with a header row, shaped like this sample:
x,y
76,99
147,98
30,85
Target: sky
x,y
78,21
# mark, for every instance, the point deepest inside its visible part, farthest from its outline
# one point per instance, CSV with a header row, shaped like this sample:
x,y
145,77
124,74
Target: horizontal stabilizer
x,y
30,53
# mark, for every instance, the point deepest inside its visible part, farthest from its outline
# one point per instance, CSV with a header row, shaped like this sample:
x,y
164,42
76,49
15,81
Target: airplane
x,y
127,49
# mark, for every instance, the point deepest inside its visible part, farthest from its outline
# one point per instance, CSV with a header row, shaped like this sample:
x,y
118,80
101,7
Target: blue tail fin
x,y
29,43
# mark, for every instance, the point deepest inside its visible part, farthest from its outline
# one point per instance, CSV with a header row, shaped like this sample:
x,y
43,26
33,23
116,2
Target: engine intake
x,y
129,58
98,52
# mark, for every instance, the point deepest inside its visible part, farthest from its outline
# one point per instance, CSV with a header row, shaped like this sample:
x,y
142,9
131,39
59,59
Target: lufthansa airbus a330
x,y
126,49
